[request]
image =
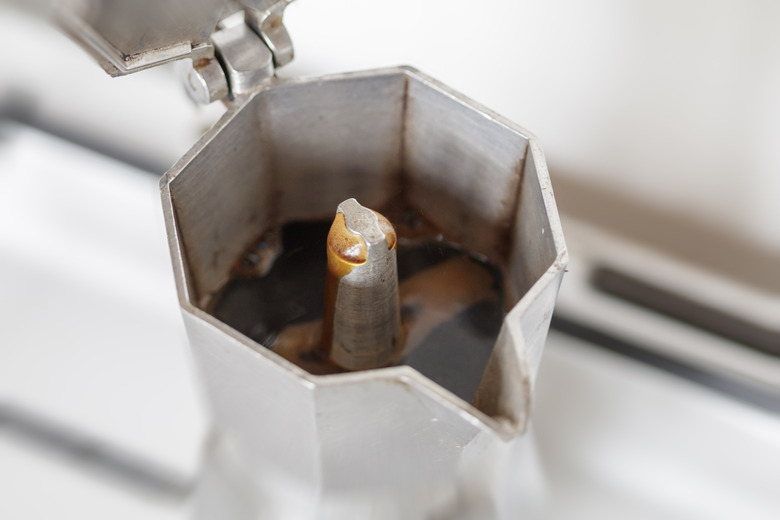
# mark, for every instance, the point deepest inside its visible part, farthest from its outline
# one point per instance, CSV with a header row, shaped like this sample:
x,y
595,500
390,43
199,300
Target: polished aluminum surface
x,y
370,135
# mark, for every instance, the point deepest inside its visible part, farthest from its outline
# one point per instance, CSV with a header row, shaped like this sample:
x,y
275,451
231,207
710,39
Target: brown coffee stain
x,y
440,293
451,299
345,248
299,343
410,222
436,295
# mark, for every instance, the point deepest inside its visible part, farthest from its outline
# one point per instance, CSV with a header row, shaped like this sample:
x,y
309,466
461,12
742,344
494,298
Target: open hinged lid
x,y
128,36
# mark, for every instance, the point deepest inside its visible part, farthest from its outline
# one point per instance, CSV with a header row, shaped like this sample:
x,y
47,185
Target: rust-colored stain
x,y
345,248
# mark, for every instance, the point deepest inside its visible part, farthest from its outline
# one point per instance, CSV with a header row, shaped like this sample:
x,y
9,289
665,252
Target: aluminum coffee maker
x,y
433,433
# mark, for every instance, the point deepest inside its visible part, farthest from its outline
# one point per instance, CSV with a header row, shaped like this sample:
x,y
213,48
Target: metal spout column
x,y
362,324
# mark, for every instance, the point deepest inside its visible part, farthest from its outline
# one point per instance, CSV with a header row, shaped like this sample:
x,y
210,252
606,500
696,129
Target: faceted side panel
x,y
534,318
387,433
506,387
536,265
461,167
533,245
265,410
333,139
485,471
223,198
504,392
537,272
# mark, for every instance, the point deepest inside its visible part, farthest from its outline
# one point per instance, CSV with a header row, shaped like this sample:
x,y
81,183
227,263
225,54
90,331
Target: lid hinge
x,y
248,49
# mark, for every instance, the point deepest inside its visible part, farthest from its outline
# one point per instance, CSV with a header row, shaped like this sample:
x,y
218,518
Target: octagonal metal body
x,y
387,438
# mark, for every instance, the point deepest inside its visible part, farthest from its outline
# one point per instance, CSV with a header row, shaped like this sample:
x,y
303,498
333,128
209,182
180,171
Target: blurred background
x,y
659,393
